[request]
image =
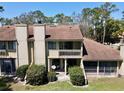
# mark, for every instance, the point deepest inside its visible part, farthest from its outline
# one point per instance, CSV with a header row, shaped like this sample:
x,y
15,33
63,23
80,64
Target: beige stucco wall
x,y
22,46
39,44
121,71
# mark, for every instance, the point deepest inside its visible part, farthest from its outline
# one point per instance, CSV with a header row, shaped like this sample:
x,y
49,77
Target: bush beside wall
x,y
21,71
37,75
76,76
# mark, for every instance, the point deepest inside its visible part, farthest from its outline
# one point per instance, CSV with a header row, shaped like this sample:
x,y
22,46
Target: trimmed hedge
x,y
37,75
21,71
76,76
51,76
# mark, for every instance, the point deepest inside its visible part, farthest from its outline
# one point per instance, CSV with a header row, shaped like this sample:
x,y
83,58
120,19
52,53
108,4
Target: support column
x,y
81,49
16,63
65,66
49,65
98,69
0,68
61,63
117,73
57,45
82,66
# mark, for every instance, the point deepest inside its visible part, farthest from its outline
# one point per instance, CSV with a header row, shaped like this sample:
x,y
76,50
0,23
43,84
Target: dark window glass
x,y
13,65
90,67
61,45
76,45
12,45
65,45
2,45
8,66
51,45
68,45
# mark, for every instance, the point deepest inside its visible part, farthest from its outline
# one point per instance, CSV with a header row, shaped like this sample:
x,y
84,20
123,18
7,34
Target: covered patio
x,y
62,65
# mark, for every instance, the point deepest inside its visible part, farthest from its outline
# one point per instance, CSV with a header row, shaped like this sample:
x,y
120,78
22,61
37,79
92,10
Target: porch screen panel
x,y
107,68
90,68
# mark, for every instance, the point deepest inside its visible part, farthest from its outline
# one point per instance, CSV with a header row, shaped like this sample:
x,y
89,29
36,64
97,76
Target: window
x,y
51,45
65,45
68,45
61,45
77,45
2,45
11,45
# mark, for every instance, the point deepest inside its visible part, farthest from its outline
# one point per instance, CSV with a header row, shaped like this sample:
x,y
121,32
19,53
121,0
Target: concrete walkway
x,y
62,77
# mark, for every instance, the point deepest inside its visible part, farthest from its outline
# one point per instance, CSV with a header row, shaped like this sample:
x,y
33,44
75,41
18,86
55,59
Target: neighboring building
x,y
60,45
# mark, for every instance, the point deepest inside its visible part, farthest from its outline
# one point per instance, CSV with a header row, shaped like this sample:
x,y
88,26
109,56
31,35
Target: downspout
x,y
17,53
28,57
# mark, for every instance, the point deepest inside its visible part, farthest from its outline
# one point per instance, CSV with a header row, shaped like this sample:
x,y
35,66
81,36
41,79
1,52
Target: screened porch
x,y
105,68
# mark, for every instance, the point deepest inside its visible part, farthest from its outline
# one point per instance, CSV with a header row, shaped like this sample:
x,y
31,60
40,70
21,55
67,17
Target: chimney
x,y
39,44
22,44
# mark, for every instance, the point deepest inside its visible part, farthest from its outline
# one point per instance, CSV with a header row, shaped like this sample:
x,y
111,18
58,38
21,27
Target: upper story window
x,y
2,45
11,45
70,45
51,45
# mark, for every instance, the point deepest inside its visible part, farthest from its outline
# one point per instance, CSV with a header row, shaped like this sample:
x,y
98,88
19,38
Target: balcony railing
x,y
3,52
69,52
64,53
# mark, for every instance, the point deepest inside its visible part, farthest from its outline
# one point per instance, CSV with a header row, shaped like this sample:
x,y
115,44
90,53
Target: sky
x,y
13,9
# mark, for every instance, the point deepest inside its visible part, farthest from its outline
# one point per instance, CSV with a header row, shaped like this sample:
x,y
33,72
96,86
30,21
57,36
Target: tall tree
x,y
107,9
29,18
94,21
123,14
62,19
1,10
49,20
6,21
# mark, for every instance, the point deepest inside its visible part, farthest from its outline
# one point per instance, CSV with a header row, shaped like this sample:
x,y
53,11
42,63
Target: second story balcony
x,y
64,50
7,49
65,54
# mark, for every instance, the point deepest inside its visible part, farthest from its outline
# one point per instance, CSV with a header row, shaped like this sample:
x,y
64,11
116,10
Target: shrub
x,y
76,76
51,76
21,71
37,75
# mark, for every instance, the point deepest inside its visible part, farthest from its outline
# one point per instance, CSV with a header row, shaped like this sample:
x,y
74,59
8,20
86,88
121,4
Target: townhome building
x,y
61,46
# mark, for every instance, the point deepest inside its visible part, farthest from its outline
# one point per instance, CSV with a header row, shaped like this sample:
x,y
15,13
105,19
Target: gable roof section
x,y
59,32
94,51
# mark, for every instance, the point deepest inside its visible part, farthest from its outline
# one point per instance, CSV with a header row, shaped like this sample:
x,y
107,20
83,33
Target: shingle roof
x,y
94,51
7,33
64,32
60,32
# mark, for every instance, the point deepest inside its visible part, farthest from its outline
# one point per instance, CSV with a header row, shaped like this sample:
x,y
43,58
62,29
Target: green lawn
x,y
97,84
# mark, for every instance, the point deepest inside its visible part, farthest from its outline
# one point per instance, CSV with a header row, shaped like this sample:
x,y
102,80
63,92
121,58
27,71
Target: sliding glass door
x,y
8,66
